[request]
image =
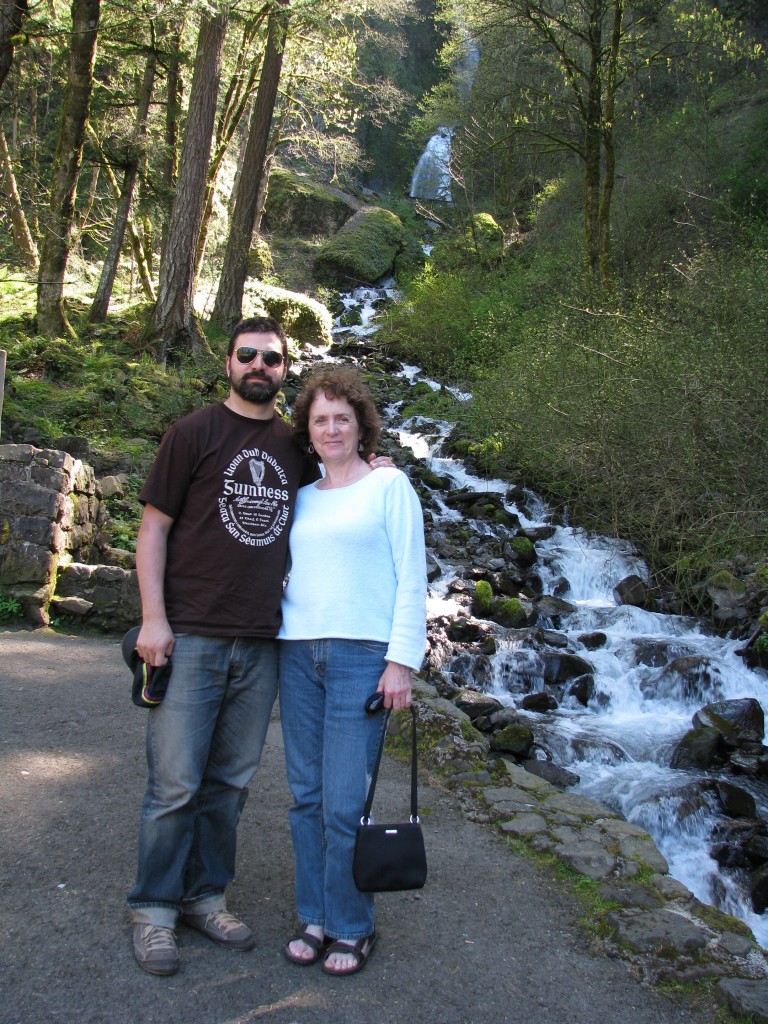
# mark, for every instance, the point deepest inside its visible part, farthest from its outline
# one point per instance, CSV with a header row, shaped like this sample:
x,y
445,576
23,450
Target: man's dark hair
x,y
259,325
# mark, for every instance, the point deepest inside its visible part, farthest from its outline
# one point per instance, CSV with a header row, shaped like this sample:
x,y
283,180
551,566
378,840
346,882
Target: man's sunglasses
x,y
268,356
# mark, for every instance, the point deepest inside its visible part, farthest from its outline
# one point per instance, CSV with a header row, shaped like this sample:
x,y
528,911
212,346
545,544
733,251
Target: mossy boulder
x,y
298,206
481,240
515,739
511,614
305,320
364,250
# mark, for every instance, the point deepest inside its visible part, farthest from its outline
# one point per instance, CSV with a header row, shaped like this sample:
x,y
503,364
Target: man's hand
x,y
380,462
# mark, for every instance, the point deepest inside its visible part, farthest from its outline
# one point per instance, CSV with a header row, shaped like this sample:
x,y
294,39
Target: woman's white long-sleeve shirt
x,y
358,566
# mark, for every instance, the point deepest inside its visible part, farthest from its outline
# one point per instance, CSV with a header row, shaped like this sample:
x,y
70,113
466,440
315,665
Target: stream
x,y
620,743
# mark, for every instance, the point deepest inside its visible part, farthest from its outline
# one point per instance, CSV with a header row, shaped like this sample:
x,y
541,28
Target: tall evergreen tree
x,y
60,222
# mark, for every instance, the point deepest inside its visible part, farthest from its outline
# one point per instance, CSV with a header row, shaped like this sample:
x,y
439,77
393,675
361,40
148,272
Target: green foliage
x,y
9,608
760,646
98,385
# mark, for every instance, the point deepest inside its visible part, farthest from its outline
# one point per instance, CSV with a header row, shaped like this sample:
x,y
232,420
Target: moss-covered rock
x,y
305,320
515,739
482,600
364,250
511,614
296,205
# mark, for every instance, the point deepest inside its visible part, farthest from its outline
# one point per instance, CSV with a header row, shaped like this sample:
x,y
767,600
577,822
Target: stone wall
x,y
52,542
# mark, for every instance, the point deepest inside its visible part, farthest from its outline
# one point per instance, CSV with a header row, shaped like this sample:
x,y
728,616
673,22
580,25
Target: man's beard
x,y
257,391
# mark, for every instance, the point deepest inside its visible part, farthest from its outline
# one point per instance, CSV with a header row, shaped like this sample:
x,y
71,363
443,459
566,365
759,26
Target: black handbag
x,y
390,858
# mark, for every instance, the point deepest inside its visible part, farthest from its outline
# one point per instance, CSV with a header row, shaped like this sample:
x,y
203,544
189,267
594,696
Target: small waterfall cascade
x,y
432,175
651,672
431,178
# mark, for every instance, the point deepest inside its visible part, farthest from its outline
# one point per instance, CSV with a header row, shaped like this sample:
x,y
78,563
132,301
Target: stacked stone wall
x,y
52,541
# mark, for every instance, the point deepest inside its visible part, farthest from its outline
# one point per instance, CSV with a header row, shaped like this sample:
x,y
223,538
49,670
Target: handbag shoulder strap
x,y
375,773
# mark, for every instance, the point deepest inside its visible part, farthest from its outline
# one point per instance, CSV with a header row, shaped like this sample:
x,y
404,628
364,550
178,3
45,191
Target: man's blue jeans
x,y
330,747
204,743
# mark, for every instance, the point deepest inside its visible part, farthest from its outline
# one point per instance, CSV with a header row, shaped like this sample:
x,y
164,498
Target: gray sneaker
x,y
222,927
155,949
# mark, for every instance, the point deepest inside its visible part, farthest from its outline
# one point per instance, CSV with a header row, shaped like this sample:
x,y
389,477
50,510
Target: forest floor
x,y
490,939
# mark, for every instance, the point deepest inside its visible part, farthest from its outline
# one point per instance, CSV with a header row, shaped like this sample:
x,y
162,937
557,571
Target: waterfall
x,y
432,176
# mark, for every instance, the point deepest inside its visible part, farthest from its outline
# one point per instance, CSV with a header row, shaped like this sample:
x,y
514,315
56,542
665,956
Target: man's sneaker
x,y
223,927
155,949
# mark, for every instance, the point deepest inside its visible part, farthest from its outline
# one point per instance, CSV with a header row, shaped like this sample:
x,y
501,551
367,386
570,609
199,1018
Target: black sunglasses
x,y
268,357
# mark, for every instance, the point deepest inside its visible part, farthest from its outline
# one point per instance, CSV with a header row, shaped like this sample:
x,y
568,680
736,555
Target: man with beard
x,y
210,560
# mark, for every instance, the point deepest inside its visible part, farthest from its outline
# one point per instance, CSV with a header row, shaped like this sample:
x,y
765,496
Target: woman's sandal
x,y
317,945
360,951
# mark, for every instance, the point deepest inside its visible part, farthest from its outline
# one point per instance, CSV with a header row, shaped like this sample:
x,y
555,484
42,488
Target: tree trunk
x,y
21,233
174,86
12,14
112,257
235,101
174,322
609,144
138,244
229,299
592,143
57,242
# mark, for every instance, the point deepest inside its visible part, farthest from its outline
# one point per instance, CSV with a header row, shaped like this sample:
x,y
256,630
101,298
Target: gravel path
x,y
490,939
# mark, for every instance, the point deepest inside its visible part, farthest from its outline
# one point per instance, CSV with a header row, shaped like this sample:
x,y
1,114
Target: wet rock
x,y
758,889
699,748
654,653
559,668
582,689
593,641
462,631
540,702
560,586
552,773
757,849
475,704
734,801
635,591
689,678
538,532
553,609
738,721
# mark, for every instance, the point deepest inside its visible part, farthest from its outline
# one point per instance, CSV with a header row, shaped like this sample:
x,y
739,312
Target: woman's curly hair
x,y
338,382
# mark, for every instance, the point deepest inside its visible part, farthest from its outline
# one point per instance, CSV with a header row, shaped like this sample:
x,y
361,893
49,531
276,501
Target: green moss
x,y
364,249
510,613
482,601
725,580
305,320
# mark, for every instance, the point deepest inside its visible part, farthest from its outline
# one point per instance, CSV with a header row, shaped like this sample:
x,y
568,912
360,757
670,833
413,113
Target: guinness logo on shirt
x,y
254,504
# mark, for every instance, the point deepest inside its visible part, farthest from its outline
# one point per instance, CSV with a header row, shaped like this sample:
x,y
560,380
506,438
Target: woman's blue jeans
x,y
204,744
330,747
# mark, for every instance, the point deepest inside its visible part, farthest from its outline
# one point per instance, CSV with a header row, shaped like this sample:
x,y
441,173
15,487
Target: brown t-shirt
x,y
229,483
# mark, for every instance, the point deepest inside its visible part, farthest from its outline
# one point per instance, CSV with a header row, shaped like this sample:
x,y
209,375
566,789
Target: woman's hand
x,y
395,684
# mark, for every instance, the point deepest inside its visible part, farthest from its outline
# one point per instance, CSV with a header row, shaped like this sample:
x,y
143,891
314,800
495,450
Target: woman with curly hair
x,y
354,623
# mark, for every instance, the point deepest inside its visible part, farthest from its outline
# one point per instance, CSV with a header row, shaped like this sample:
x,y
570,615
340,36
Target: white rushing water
x,y
619,745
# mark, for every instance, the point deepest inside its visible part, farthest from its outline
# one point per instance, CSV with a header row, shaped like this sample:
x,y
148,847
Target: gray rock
x,y
745,997
662,932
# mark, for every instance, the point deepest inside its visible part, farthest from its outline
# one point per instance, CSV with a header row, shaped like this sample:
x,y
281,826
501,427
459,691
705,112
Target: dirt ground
x,y
490,938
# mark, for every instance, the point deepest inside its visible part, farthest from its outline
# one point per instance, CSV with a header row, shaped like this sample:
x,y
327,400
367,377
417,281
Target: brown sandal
x,y
315,944
359,951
